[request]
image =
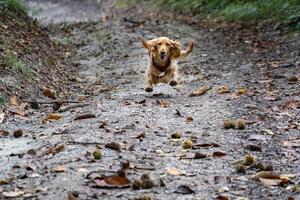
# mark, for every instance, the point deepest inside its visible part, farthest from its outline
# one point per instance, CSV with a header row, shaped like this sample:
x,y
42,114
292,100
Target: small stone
x,y
241,169
136,184
176,135
199,155
18,133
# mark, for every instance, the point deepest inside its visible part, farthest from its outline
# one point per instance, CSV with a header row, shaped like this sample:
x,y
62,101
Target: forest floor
x,y
105,66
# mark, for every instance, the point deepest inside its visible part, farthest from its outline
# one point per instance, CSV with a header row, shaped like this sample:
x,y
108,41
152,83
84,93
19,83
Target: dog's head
x,y
162,49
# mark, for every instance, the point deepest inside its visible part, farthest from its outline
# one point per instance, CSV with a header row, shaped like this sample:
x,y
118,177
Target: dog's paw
x,y
173,83
149,89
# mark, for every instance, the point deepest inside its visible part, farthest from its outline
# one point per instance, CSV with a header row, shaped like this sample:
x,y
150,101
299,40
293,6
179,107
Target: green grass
x,y
235,10
15,5
11,60
2,101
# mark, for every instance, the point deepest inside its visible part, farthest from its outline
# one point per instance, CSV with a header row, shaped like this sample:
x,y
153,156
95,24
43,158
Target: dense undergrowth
x,y
235,10
17,6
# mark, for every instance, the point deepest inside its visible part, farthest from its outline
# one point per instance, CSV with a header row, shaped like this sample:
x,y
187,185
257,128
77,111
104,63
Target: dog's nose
x,y
162,53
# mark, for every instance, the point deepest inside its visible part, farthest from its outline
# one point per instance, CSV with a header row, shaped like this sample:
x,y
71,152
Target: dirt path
x,y
111,64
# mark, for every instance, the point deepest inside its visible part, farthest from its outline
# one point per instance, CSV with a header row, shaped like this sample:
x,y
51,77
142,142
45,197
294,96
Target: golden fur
x,y
163,54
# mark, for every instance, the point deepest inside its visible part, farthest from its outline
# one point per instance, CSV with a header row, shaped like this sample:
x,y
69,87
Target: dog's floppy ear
x,y
146,44
175,53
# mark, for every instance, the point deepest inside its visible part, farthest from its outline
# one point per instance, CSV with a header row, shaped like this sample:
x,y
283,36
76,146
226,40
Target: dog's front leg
x,y
151,80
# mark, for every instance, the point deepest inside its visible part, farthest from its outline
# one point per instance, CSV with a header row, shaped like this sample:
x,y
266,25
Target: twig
x,y
65,108
84,143
144,168
51,102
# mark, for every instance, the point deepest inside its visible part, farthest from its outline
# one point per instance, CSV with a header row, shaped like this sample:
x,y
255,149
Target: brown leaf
x,y
189,120
16,111
14,101
223,89
59,148
85,116
271,182
49,93
291,104
174,171
266,175
205,145
53,117
59,169
13,194
3,133
112,182
2,117
199,91
164,103
242,91
218,154
114,145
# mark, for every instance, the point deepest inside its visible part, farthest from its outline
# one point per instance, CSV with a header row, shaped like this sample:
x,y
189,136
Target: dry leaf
x,y
174,171
3,133
223,89
189,120
13,194
85,116
164,103
112,182
14,101
242,91
49,93
53,117
199,91
59,169
114,145
271,182
266,175
2,117
218,154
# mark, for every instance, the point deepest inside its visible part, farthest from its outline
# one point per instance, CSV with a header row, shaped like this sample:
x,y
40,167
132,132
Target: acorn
x,y
240,123
97,154
228,123
136,184
187,144
249,160
176,135
241,169
18,133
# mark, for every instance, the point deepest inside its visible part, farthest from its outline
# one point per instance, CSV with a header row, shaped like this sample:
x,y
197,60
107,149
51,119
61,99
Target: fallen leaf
x,y
31,167
112,182
174,171
291,104
53,117
2,117
3,133
59,148
13,194
266,175
257,137
184,189
71,196
14,101
218,154
222,197
59,169
223,89
206,145
242,91
49,93
271,182
189,120
85,116
164,103
199,91
114,145
16,111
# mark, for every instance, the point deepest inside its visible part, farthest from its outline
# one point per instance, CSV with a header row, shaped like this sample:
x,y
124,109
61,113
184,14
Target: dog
x,y
163,55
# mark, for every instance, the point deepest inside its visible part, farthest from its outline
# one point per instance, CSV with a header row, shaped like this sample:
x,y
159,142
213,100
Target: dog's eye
x,y
159,44
168,44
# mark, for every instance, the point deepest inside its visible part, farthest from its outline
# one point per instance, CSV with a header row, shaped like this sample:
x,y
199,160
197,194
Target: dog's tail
x,y
184,53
